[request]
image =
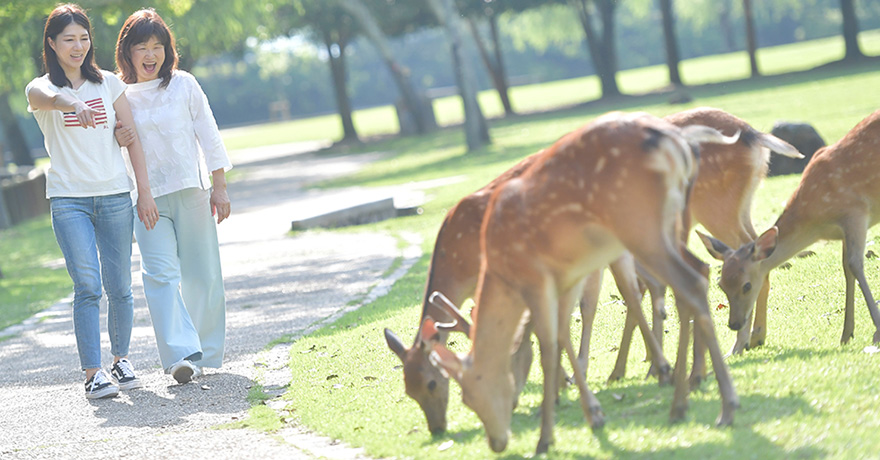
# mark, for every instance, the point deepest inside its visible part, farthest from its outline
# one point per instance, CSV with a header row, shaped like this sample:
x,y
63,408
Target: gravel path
x,y
275,285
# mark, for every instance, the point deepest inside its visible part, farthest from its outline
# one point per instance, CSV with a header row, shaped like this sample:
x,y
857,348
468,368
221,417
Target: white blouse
x,y
178,132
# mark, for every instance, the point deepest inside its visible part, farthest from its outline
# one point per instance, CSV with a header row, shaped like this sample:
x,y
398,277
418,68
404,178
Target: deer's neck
x,y
795,234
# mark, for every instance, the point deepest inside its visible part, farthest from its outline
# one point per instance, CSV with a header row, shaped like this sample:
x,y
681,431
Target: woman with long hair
x,y
180,258
76,105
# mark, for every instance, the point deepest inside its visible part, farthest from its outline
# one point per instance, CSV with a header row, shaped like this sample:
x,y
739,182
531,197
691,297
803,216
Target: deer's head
x,y
742,274
424,382
488,394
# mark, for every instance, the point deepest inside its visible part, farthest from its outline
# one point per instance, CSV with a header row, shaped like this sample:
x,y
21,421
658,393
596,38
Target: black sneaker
x,y
123,372
100,386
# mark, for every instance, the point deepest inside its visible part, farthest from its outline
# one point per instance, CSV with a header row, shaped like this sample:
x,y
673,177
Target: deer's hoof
x,y
678,413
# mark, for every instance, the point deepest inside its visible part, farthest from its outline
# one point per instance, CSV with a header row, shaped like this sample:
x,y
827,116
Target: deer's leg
x,y
543,303
854,267
624,272
590,405
658,309
759,329
679,374
690,300
742,339
588,304
521,362
619,370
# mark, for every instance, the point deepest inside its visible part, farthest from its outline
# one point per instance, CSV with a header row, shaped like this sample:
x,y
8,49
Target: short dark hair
x,y
138,28
61,17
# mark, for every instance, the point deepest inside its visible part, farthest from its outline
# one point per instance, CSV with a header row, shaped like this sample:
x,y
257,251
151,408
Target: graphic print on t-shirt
x,y
95,104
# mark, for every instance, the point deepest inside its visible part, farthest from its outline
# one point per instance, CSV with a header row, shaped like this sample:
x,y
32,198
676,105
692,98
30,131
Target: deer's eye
x,y
747,287
432,385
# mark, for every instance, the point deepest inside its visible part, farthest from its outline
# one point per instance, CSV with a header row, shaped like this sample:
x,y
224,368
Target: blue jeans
x,y
94,234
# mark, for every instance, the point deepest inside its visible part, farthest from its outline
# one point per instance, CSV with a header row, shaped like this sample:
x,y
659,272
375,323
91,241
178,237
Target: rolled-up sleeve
x,y
205,126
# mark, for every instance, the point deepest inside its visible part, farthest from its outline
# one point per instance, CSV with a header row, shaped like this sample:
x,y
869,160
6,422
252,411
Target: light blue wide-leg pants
x,y
183,282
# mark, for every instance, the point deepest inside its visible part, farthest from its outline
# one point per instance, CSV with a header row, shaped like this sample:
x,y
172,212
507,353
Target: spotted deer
x,y
721,200
838,197
454,270
617,184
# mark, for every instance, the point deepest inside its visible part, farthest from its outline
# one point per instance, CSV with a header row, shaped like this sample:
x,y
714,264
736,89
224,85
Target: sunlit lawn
x,y
803,395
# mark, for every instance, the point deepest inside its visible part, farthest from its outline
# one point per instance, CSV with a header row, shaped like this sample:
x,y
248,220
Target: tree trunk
x,y
850,30
751,41
672,57
493,66
21,154
339,74
602,49
418,107
475,127
726,28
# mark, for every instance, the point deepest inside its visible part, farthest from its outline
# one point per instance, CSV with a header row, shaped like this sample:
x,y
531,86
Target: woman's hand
x,y
124,134
220,205
147,210
85,114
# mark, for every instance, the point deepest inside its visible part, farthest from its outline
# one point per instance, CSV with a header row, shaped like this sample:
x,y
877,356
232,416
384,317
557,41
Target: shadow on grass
x,y
645,406
766,354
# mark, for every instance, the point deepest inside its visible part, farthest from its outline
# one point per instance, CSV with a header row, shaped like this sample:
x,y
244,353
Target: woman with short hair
x,y
180,259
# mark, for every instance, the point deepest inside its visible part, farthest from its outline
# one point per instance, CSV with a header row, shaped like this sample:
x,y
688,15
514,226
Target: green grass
x,y
803,395
28,286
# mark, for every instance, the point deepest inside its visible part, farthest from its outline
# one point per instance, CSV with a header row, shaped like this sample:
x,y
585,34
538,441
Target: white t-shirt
x,y
178,132
84,161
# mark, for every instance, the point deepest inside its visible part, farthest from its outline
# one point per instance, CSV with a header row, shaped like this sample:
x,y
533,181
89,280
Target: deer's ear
x,y
766,244
716,248
395,344
448,362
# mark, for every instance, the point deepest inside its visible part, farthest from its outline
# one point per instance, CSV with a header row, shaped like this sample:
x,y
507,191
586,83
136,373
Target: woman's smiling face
x,y
71,46
147,58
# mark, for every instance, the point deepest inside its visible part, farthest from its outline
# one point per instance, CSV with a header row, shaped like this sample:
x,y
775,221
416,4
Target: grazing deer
x,y
838,198
454,270
617,184
721,200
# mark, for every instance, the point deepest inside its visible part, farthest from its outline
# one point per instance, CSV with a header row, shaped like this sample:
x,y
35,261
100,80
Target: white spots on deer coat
x,y
458,236
615,151
600,165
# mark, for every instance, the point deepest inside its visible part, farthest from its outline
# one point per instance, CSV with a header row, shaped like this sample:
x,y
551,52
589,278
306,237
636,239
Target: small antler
x,y
459,322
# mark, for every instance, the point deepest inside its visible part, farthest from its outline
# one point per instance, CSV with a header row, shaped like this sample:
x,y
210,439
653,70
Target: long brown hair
x,y
138,28
61,17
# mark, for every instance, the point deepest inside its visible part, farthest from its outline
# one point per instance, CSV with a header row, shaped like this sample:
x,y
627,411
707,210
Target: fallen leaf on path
x,y
446,445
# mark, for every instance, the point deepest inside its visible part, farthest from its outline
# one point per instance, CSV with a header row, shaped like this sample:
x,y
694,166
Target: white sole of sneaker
x,y
182,373
130,385
109,392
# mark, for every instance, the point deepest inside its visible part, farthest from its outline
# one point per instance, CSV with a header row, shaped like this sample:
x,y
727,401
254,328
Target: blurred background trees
x,y
262,60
